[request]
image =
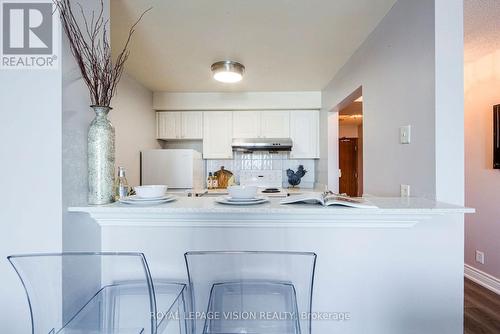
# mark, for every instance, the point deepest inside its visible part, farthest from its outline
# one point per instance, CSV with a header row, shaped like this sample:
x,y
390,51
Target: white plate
x,y
155,202
135,198
255,199
224,200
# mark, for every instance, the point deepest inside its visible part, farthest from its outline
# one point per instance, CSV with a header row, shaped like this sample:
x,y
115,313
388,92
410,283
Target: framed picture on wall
x,y
496,136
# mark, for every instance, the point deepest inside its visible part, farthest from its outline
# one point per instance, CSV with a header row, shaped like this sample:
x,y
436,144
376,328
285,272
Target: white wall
x,y
135,125
30,178
449,117
236,101
80,233
482,230
395,67
389,279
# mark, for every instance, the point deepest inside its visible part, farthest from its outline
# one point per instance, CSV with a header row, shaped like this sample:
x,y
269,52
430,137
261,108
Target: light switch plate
x,y
405,134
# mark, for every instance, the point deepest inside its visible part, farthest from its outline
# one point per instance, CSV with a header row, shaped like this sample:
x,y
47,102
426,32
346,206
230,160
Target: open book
x,y
327,199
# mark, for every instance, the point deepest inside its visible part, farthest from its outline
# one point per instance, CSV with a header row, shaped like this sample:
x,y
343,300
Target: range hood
x,y
262,144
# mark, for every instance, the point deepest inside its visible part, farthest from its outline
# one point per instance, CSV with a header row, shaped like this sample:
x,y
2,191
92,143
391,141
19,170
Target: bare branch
x,y
91,49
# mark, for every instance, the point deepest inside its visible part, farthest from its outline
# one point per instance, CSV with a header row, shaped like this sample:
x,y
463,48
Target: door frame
x,y
333,140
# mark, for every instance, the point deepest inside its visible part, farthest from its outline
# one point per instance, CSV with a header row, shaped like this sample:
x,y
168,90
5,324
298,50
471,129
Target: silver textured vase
x,y
101,158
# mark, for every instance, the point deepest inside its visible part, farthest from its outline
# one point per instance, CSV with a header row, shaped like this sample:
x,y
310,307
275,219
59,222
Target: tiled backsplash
x,y
265,161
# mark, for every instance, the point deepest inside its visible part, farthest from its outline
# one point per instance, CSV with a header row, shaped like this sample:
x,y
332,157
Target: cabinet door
x,y
217,135
304,131
275,124
168,125
246,124
192,125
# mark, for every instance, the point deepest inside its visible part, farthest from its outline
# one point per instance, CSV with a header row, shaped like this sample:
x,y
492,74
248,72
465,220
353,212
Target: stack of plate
x,y
242,201
148,201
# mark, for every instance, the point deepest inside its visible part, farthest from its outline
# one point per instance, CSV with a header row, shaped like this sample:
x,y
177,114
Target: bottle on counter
x,y
215,182
122,187
209,181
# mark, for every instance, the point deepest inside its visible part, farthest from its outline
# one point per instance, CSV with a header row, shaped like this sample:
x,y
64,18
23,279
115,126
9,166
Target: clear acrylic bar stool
x,y
251,292
97,293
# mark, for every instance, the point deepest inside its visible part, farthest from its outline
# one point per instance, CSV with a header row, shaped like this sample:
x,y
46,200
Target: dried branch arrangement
x,y
90,47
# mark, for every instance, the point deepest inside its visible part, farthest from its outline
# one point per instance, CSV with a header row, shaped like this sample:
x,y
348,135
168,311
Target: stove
x,y
269,181
270,191
262,178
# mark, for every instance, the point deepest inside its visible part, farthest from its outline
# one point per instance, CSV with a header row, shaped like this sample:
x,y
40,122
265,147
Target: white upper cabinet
x,y
246,124
304,131
217,135
218,128
275,124
192,125
261,124
179,125
168,125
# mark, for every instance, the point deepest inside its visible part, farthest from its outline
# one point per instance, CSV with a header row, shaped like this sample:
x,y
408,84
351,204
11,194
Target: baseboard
x,y
486,280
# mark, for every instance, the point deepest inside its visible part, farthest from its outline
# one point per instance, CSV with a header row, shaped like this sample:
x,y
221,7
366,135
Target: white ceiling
x,y
286,45
481,27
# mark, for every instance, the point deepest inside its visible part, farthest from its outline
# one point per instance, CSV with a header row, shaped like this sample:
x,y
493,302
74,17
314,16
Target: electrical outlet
x,y
405,190
479,257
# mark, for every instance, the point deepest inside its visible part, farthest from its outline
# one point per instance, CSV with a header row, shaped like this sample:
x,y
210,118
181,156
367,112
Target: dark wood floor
x,y
482,310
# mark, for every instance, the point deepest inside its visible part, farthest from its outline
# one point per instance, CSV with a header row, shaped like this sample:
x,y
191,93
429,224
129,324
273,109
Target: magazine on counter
x,y
328,199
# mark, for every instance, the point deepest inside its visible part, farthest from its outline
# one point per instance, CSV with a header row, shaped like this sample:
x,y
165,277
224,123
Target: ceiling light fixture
x,y
228,71
350,117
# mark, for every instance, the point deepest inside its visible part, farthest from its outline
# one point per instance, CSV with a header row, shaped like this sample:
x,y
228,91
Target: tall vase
x,y
101,158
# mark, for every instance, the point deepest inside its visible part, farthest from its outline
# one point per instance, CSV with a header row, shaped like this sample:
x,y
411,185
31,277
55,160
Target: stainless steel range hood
x,y
262,144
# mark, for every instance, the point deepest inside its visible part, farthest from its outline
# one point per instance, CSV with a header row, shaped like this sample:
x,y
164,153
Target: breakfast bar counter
x,y
205,211
394,269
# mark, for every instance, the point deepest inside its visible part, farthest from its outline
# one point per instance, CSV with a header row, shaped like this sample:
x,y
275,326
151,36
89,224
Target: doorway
x,y
350,137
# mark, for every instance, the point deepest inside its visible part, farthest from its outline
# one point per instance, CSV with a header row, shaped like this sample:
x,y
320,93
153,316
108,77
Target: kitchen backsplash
x,y
265,161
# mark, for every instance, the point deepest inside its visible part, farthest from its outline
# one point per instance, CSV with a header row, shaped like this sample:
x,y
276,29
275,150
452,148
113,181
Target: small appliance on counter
x,y
179,169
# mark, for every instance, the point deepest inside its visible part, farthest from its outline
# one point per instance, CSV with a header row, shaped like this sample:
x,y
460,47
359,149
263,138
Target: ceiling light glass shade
x,y
228,71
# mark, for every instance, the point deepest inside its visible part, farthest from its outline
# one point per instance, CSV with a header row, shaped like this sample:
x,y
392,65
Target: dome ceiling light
x,y
228,71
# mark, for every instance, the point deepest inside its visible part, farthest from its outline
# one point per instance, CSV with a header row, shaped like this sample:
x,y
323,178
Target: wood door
x,y
348,163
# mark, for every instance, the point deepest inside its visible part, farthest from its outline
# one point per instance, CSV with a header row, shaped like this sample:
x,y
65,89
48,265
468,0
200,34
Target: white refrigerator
x,y
178,169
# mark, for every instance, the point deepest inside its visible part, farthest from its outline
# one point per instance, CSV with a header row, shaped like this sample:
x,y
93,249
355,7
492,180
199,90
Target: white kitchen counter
x,y
191,211
397,269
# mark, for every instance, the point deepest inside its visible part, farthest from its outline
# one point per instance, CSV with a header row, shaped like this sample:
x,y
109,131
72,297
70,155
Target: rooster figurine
x,y
295,177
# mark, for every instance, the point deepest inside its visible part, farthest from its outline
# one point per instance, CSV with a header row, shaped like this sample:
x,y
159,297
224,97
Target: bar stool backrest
x,y
212,274
88,292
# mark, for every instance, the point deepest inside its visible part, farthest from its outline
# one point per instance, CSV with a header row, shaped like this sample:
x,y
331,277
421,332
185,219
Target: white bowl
x,y
242,192
151,191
